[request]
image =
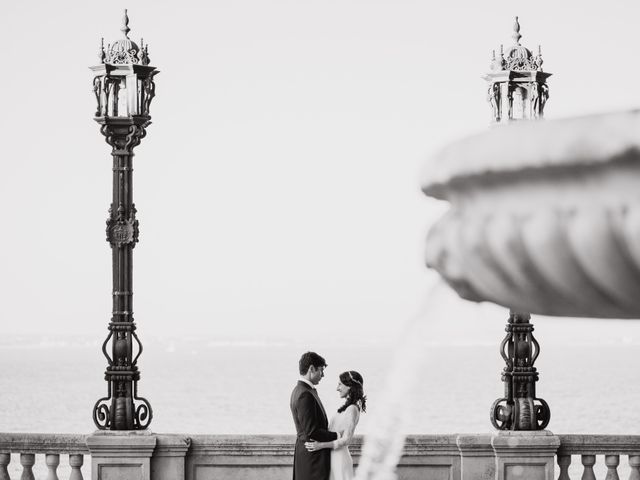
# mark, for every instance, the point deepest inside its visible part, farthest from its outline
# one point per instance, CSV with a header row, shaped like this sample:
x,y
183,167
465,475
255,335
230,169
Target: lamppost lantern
x,y
517,85
124,87
123,82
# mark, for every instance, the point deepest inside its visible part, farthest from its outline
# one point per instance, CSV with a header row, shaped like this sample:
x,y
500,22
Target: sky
x,y
278,188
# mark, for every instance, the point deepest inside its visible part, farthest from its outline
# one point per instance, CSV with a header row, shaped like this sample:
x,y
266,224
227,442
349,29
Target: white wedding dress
x,y
344,424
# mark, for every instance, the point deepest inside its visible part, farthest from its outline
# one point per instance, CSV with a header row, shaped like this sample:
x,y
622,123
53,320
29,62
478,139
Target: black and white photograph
x,y
320,240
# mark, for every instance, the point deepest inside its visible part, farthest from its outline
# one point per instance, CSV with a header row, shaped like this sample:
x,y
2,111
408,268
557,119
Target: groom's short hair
x,y
310,358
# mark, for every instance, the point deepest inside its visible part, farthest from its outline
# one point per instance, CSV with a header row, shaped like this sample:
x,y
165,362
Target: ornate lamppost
x,y
520,409
123,86
518,91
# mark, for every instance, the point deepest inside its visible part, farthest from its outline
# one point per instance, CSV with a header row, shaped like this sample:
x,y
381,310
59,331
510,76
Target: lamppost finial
x,y
516,31
125,24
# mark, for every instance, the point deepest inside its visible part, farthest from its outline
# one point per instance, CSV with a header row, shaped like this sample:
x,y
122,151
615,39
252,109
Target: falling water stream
x,y
384,444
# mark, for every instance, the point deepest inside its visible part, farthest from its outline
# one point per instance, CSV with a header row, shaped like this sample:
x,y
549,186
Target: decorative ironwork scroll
x,y
520,409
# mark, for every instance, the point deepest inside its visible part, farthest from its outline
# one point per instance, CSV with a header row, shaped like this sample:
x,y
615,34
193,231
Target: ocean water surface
x,y
200,386
211,387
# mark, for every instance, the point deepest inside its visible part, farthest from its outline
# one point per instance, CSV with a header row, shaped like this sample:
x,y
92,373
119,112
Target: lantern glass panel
x,y
518,103
123,110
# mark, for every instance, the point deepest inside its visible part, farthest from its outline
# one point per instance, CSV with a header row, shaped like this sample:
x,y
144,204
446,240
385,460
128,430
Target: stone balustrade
x,y
609,447
25,447
148,456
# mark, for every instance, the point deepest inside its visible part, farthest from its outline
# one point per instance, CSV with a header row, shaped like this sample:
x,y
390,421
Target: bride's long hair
x,y
356,396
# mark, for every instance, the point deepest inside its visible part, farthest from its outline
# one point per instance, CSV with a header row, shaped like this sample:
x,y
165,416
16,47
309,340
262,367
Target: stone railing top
x,y
283,444
431,444
240,445
207,444
599,444
43,443
534,145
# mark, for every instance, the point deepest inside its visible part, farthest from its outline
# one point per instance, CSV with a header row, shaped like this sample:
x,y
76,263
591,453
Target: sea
x,y
209,386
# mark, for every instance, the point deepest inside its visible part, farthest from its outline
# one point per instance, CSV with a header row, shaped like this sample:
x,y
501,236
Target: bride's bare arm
x,y
353,415
344,438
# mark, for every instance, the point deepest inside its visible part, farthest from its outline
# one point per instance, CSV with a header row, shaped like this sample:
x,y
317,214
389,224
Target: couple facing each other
x,y
321,451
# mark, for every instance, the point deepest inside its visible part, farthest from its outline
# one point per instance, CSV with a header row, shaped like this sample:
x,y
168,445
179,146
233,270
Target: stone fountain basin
x,y
544,216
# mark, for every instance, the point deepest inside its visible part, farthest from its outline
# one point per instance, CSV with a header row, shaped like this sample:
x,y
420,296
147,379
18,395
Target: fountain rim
x,y
534,146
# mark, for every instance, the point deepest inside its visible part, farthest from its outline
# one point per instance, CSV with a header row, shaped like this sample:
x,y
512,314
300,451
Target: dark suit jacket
x,y
311,423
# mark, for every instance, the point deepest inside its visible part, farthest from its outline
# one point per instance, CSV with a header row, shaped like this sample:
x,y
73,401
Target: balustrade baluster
x,y
5,459
52,460
612,462
76,462
563,462
27,460
634,463
588,461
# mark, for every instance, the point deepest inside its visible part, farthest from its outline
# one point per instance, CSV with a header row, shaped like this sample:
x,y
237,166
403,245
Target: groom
x,y
310,420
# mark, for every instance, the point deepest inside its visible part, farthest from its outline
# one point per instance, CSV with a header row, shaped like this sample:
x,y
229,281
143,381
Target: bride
x,y
350,387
